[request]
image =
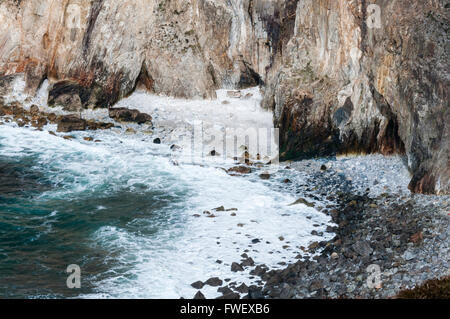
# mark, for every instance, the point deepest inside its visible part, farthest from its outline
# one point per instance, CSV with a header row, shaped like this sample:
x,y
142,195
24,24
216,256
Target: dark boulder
x,y
34,109
235,267
225,290
69,123
255,293
129,115
199,295
230,296
198,285
214,282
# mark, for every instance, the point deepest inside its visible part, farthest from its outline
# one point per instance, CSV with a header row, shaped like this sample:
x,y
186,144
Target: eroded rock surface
x,y
344,85
338,79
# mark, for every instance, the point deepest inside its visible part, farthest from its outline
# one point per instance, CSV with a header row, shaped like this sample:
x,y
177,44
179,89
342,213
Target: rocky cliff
x,y
341,75
359,77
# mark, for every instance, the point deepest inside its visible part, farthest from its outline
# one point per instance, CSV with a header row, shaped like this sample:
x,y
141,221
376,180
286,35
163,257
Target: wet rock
x,y
230,296
69,123
199,295
248,262
6,110
129,115
255,293
34,110
235,267
52,117
93,125
363,248
198,285
214,282
219,209
40,122
157,140
225,290
259,270
264,176
243,289
287,292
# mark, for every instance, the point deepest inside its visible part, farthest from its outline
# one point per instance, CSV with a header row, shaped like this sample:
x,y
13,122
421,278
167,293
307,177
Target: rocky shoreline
x,y
405,235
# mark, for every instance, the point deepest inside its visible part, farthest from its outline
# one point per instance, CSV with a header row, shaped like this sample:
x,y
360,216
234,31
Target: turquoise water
x,y
41,235
124,213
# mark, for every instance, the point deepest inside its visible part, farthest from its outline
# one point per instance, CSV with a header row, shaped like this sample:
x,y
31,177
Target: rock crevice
x,y
342,76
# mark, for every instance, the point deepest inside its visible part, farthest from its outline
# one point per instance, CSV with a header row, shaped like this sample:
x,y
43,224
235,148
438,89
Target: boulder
x,y
199,295
235,267
230,296
69,123
198,285
34,109
51,117
129,115
264,176
214,282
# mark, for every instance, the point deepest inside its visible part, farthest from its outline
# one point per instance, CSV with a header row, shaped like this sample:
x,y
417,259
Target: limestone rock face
x,y
347,81
104,49
342,76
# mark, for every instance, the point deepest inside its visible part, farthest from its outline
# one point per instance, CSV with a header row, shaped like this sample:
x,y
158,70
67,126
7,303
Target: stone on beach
x,y
69,123
129,115
214,282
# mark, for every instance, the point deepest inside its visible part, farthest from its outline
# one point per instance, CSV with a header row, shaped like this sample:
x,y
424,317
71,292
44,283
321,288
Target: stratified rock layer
x,y
342,76
345,83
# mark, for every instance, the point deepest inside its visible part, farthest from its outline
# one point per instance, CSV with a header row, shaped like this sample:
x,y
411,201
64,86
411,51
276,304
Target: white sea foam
x,y
166,264
187,247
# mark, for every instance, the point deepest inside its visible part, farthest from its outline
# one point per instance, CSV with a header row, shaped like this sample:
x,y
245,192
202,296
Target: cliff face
x,y
360,78
338,78
98,51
